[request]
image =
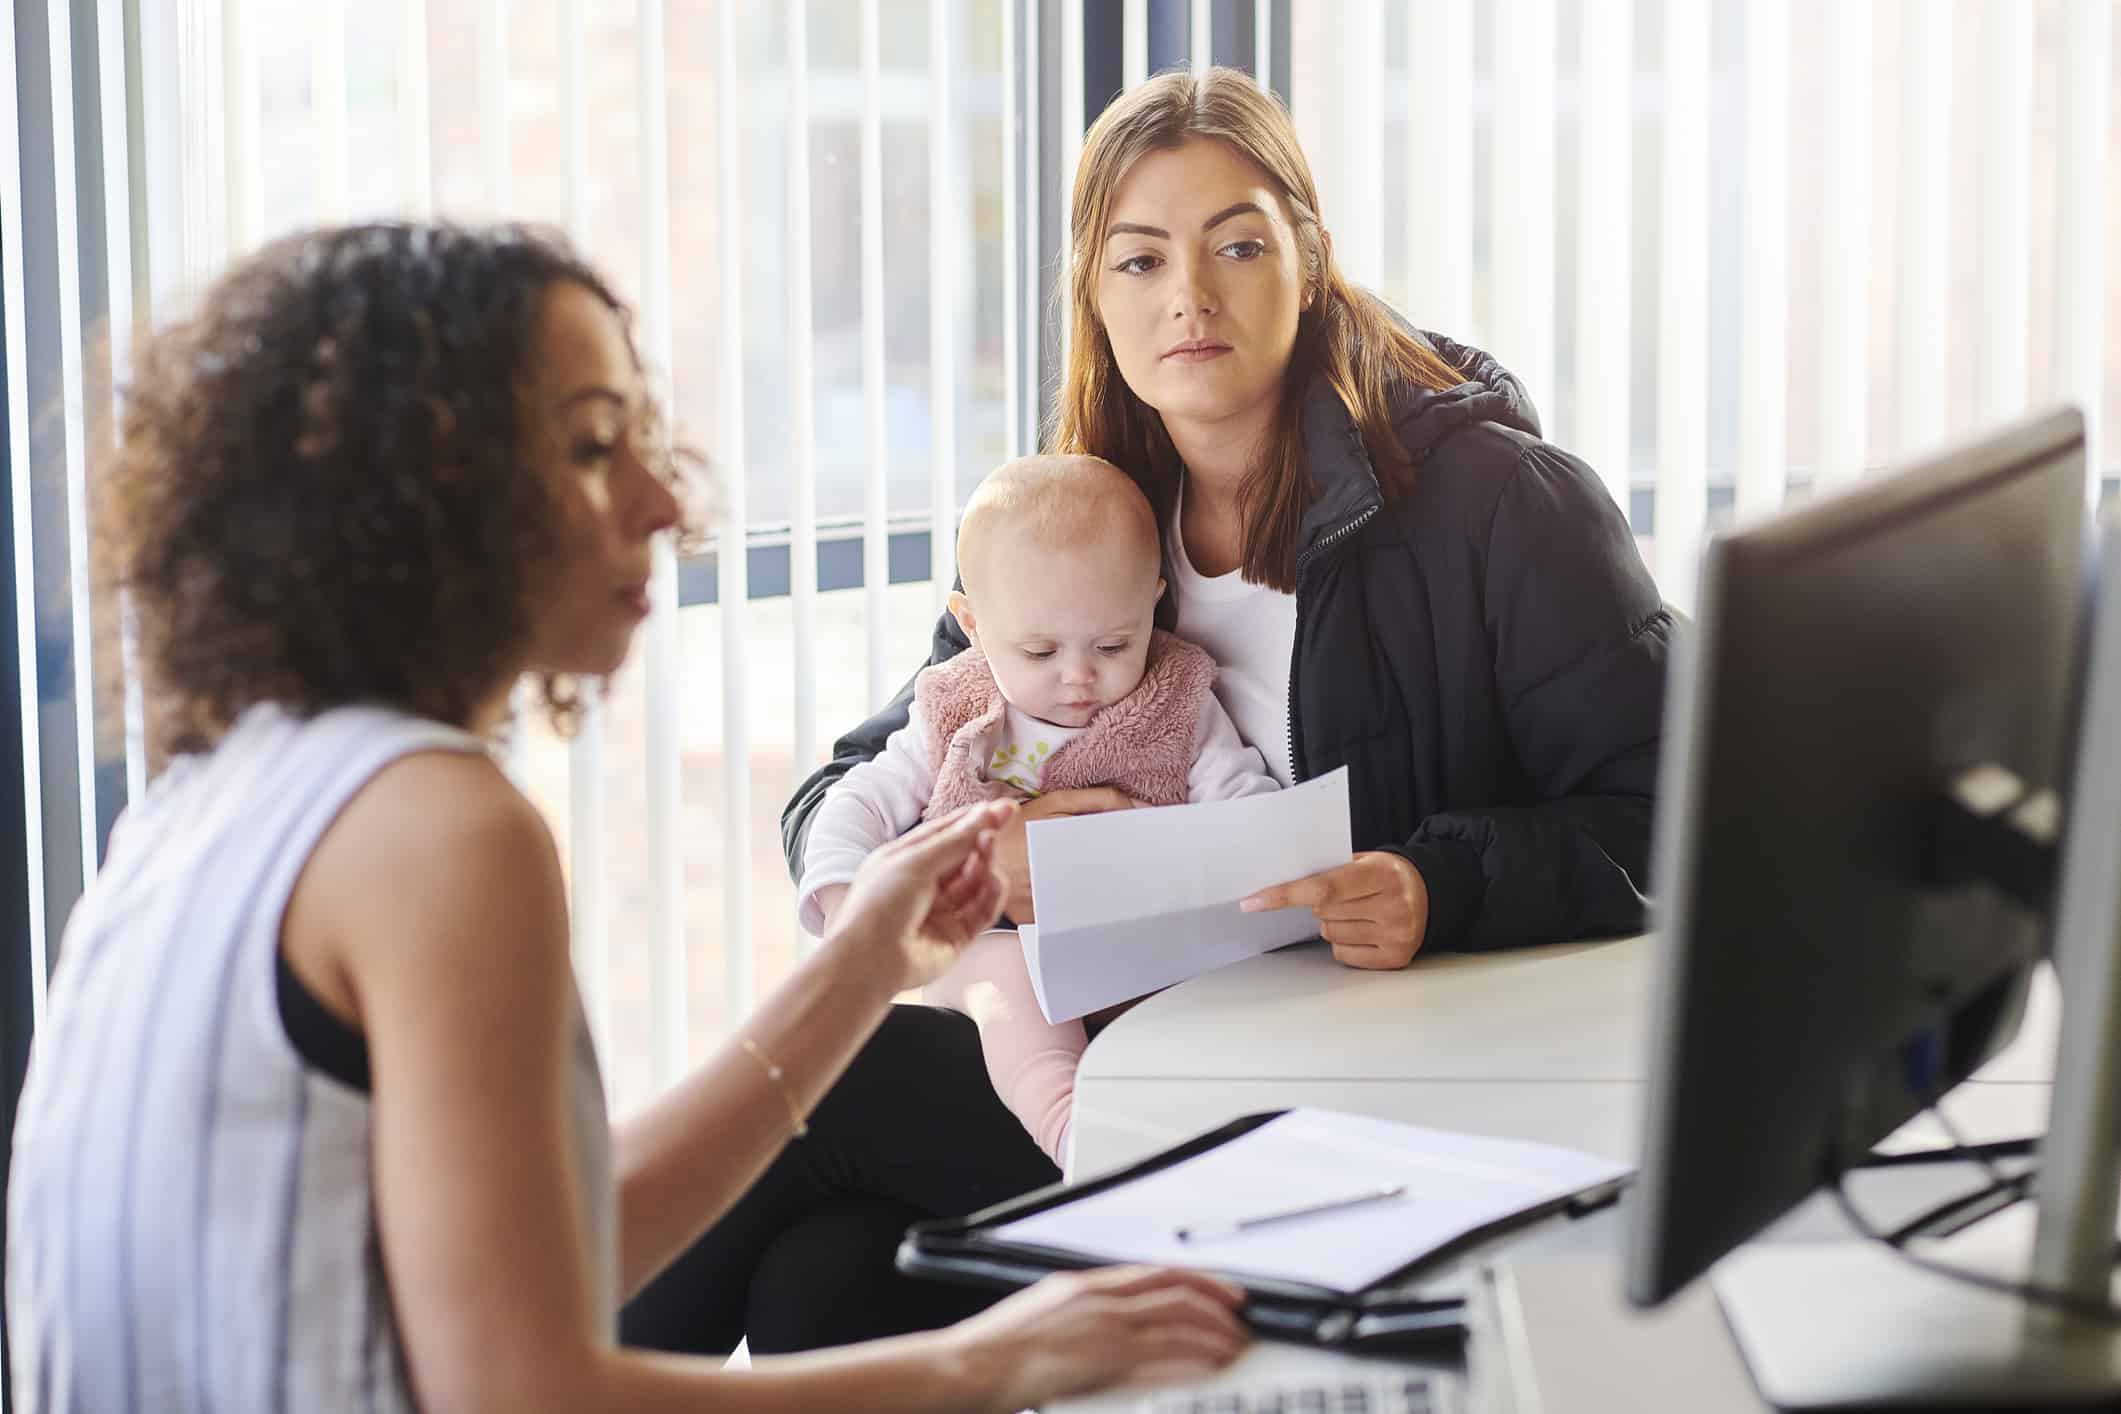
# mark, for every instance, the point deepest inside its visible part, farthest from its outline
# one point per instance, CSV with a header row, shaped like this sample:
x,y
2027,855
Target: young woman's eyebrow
x,y
1235,208
594,392
1135,228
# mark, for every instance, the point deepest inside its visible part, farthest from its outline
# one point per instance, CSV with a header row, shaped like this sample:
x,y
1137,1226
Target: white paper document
x,y
1134,900
1447,1185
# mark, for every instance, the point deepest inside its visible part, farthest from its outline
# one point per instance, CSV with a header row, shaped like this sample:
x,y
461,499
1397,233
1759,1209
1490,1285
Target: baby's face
x,y
1066,631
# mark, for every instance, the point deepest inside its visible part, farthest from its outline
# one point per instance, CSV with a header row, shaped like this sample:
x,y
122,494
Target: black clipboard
x,y
1390,1315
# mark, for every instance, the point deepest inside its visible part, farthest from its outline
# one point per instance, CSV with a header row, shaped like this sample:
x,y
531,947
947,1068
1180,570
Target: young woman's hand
x,y
1374,909
1079,1331
1012,855
921,898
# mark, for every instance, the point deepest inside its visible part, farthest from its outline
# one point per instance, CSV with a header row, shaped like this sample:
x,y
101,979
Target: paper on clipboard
x,y
1447,1185
1134,900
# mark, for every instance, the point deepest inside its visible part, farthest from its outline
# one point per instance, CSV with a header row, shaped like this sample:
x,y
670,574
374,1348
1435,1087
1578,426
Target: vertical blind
x,y
1471,159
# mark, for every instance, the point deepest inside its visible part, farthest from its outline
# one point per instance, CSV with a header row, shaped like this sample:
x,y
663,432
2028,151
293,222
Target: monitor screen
x,y
1817,984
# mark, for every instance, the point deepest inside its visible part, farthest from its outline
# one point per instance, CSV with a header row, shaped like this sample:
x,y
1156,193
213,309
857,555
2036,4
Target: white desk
x,y
1539,1043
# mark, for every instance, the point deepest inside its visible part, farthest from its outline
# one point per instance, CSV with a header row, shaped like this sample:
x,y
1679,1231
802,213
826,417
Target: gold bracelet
x,y
774,1073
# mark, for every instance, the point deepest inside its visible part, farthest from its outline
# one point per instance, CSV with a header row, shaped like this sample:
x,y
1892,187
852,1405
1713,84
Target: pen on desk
x,y
1330,1205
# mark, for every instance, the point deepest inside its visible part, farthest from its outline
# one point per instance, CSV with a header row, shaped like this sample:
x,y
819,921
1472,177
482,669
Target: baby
x,y
1067,684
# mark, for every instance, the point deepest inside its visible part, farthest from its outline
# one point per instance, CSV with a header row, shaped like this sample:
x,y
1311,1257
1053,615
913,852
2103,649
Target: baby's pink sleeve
x,y
1030,1060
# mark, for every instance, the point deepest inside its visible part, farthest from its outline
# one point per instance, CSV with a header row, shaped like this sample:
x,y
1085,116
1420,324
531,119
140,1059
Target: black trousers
x,y
913,1130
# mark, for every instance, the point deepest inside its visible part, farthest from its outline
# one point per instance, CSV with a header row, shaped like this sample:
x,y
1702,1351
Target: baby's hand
x,y
1012,855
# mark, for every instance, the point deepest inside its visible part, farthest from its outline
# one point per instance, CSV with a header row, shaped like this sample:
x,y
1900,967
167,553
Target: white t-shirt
x,y
1250,631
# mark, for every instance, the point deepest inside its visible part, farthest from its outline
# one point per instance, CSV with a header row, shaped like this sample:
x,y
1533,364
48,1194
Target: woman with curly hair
x,y
313,1120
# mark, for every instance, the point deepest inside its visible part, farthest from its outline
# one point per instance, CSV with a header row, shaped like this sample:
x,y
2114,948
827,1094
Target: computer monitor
x,y
1822,978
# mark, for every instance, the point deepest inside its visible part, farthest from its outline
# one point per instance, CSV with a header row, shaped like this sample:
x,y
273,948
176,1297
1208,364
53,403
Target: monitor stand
x,y
1851,1325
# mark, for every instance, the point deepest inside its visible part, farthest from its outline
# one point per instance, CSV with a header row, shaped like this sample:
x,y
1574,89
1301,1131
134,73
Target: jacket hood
x,y
1424,417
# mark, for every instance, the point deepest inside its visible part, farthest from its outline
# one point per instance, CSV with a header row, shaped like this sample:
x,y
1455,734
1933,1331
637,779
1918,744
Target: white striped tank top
x,y
191,1217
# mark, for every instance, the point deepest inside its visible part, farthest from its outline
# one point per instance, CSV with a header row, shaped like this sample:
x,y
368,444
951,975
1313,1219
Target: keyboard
x,y
1409,1392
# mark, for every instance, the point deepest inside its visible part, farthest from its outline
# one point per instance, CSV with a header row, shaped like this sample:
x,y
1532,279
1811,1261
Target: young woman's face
x,y
585,405
1200,283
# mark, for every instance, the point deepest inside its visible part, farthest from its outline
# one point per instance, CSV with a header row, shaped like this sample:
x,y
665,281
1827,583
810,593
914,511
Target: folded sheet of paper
x,y
1447,1184
1135,900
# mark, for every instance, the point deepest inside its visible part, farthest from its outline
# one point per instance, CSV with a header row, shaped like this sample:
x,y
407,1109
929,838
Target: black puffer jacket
x,y
1486,654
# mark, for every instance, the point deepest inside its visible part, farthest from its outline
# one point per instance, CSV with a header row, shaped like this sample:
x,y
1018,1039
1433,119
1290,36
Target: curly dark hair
x,y
321,493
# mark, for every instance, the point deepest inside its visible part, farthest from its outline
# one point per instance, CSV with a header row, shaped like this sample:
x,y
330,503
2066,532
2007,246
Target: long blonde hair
x,y
1345,335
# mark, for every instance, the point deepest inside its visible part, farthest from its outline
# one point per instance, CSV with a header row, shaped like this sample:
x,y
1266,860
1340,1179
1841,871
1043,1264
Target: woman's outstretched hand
x,y
1012,855
1079,1331
1374,909
929,892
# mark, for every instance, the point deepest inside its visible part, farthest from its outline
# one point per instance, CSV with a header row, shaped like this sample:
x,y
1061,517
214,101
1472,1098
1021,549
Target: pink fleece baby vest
x,y
1142,744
